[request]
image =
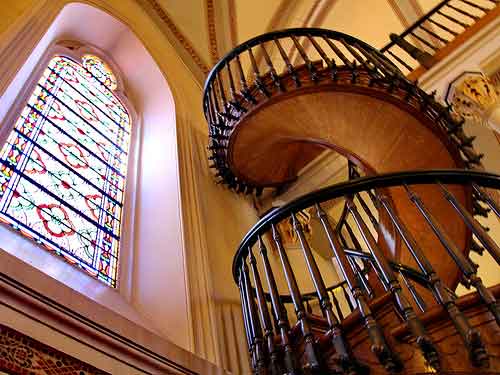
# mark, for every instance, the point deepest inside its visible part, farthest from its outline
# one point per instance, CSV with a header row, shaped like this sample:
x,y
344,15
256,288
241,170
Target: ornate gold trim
x,y
181,38
212,33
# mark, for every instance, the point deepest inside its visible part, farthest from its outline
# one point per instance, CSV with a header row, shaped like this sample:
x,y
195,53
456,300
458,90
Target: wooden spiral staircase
x,y
408,224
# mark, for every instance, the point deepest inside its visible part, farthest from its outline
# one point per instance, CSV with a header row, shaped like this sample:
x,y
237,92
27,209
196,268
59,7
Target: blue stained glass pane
x,y
63,167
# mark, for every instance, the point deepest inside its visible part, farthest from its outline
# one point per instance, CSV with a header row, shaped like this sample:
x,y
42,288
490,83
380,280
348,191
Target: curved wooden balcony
x,y
275,102
384,317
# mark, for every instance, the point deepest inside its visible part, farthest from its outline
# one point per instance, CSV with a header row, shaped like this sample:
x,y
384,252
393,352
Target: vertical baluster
x,y
357,246
276,79
312,361
352,236
329,62
339,343
225,105
380,64
246,323
416,327
362,279
458,10
487,198
289,66
419,301
258,79
264,316
243,83
476,228
255,327
399,60
234,102
360,59
424,58
467,268
443,27
337,304
432,33
422,40
474,5
280,314
379,345
368,212
452,19
338,52
310,66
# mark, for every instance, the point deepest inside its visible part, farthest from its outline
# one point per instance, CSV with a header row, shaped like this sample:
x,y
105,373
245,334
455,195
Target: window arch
x,y
63,166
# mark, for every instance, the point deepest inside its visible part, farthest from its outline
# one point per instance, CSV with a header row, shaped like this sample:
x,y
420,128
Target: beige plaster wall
x,y
212,219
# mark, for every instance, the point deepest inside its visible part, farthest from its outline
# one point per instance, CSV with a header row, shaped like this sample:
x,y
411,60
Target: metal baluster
x,y
462,262
264,316
339,343
379,345
312,361
426,346
246,323
280,314
243,83
274,75
255,327
488,243
289,66
441,293
303,54
258,79
487,198
329,62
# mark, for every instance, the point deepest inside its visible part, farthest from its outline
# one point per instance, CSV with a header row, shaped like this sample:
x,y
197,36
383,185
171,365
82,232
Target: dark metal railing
x,y
272,328
262,68
420,42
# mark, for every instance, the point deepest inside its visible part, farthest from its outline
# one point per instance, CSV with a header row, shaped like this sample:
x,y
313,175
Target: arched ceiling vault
x,y
204,30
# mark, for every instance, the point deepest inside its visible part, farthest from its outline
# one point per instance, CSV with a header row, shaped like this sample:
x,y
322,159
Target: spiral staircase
x,y
411,211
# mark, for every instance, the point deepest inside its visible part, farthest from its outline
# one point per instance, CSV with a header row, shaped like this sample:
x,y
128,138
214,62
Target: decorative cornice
x,y
181,38
212,33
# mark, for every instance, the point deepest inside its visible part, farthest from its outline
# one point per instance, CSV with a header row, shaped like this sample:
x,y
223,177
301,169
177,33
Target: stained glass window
x,y
63,166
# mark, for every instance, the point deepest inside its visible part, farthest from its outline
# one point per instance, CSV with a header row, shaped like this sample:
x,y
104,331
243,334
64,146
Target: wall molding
x,y
187,51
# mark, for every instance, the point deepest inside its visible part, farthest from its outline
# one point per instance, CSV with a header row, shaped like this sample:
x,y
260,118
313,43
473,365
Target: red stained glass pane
x,y
63,167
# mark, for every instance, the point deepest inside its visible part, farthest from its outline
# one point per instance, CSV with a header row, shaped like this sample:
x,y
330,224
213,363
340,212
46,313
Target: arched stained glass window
x,y
63,166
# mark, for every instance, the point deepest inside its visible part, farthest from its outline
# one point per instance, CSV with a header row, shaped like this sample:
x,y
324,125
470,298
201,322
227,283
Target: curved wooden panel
x,y
380,132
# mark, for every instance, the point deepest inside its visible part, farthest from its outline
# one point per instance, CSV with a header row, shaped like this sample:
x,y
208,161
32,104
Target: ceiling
x,y
205,30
